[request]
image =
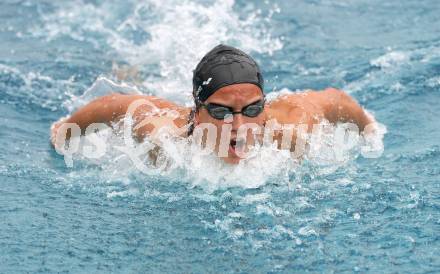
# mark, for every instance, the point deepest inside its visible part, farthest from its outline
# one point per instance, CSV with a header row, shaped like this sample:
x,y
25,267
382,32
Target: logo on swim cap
x,y
207,82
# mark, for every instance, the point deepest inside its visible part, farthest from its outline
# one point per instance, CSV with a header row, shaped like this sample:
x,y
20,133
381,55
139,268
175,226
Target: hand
x,y
54,129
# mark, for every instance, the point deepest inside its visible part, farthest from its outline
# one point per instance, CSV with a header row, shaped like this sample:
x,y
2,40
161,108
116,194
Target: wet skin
x,y
298,108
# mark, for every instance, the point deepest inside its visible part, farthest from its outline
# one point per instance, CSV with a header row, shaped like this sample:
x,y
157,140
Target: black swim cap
x,y
224,66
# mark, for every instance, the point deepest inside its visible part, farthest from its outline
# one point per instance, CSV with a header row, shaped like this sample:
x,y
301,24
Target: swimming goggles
x,y
220,112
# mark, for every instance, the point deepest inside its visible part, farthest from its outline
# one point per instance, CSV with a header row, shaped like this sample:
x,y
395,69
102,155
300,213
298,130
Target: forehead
x,y
236,93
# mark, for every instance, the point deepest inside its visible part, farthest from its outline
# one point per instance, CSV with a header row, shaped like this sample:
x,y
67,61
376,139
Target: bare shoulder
x,y
151,113
301,107
311,106
313,96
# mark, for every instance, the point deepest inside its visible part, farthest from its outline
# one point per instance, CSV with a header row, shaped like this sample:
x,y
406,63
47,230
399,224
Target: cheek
x,y
217,123
259,120
205,118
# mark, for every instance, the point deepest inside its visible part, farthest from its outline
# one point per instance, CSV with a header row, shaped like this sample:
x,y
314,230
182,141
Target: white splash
x,y
164,39
180,159
102,86
391,59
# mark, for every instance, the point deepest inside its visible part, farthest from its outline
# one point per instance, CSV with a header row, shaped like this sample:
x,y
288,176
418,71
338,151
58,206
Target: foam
x,y
181,160
102,86
433,82
167,37
386,69
391,59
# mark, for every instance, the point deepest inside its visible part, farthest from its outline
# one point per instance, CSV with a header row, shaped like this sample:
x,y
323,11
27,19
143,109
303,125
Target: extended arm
x,y
338,106
111,108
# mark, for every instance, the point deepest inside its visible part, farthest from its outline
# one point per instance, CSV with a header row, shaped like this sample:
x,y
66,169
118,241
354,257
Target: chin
x,y
232,160
233,156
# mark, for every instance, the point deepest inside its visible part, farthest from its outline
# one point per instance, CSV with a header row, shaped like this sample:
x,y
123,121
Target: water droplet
x,y
356,216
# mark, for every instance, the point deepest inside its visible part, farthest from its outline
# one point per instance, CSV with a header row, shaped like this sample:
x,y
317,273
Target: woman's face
x,y
234,146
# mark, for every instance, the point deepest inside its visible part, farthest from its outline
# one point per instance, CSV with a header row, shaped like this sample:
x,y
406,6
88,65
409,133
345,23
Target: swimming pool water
x,y
379,215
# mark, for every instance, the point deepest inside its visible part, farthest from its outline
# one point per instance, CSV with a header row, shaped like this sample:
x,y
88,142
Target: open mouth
x,y
233,143
237,145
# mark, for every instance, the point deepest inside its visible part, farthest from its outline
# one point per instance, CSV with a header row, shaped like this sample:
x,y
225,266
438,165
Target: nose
x,y
237,121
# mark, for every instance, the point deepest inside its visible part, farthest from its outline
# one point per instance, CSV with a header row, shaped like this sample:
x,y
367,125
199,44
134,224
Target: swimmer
x,y
228,88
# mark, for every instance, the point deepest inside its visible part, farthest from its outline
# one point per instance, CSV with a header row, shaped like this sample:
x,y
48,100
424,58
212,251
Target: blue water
x,y
379,215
